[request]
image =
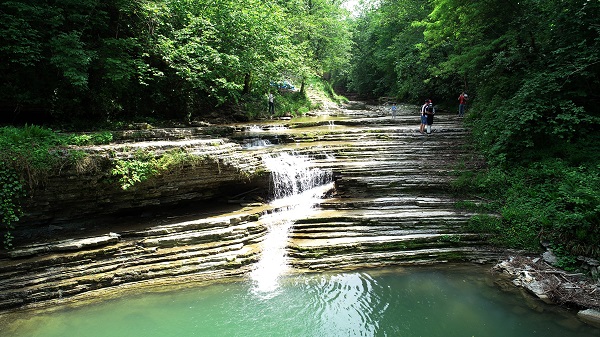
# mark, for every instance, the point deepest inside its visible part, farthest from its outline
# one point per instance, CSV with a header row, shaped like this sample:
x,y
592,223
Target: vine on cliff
x,y
11,190
28,155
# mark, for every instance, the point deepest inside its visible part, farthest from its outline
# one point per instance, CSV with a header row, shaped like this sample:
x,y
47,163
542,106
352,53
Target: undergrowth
x,y
546,201
28,155
145,165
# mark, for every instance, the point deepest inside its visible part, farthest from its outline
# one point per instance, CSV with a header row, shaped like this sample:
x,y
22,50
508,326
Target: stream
x,y
416,301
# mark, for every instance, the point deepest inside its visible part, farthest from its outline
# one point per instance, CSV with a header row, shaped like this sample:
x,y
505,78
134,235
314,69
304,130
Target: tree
x,y
321,32
97,61
386,56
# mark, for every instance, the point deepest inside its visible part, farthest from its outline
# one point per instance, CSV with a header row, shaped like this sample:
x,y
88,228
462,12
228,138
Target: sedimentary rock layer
x,y
391,205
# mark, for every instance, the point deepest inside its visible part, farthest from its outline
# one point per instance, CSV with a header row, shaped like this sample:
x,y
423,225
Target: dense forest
x,y
531,70
119,59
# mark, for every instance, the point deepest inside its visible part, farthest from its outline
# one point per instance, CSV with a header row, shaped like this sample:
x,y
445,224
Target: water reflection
x,y
388,302
345,303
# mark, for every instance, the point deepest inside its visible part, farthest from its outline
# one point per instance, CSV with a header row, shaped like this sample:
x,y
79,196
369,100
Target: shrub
x,y
91,139
11,190
145,165
546,200
27,155
141,167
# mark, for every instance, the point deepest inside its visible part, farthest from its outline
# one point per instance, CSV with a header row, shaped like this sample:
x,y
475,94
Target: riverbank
x,y
553,285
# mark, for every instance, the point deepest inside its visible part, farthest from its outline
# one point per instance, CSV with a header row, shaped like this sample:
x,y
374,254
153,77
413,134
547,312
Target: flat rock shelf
x,y
390,205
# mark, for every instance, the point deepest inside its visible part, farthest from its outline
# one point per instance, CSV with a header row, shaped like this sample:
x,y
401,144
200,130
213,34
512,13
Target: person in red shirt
x,y
462,104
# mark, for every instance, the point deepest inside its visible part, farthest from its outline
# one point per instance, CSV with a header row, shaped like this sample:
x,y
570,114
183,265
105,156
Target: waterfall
x,y
296,185
293,174
256,143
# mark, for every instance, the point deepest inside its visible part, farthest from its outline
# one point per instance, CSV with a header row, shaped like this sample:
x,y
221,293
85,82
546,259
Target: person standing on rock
x,y
429,111
462,104
271,105
394,109
423,116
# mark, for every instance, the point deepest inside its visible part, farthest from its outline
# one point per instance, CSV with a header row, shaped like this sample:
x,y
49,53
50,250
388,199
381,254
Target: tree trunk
x,y
247,83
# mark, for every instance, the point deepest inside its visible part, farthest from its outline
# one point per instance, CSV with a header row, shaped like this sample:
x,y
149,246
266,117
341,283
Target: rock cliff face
x,y
71,197
390,206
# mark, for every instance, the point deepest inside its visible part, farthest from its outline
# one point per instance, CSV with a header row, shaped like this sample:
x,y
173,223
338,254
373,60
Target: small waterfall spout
x,y
296,186
294,174
256,143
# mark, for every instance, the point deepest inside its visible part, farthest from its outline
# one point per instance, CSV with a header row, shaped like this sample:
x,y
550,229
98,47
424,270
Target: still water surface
x,y
390,302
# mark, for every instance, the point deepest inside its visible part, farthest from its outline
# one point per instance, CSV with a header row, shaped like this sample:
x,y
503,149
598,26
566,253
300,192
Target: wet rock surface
x,y
553,285
390,206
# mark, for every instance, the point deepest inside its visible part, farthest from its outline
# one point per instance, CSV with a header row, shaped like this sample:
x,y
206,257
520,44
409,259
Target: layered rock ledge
x,y
390,206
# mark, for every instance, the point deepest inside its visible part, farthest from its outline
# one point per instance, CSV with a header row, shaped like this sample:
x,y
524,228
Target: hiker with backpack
x,y
429,111
423,116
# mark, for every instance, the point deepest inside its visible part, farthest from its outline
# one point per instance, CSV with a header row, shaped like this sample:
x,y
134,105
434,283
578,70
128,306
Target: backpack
x,y
429,108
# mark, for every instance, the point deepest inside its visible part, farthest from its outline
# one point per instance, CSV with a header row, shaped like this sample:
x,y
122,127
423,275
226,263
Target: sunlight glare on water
x,y
408,302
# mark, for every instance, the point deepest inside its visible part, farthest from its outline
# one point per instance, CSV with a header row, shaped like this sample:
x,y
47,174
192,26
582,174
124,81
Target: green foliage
x,y
27,156
326,89
32,151
447,238
386,58
70,58
177,159
565,259
144,165
546,200
291,103
11,191
141,167
73,61
96,138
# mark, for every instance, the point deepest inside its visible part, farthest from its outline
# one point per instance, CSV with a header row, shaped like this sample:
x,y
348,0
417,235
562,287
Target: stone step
x,y
81,275
320,246
399,220
72,267
400,202
354,260
342,232
249,231
77,264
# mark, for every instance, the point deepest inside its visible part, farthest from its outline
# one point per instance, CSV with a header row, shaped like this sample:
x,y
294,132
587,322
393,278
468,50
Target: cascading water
x,y
296,187
256,143
294,174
